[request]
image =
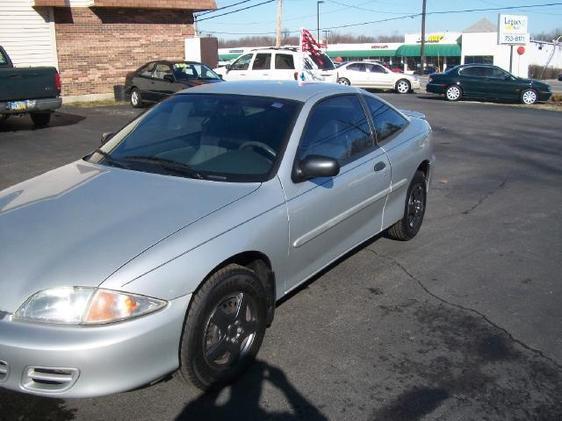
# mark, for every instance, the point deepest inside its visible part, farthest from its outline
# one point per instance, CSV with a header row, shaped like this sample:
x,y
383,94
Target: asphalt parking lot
x,y
461,323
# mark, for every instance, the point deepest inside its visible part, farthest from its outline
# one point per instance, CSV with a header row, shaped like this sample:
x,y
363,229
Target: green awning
x,y
431,50
361,53
225,57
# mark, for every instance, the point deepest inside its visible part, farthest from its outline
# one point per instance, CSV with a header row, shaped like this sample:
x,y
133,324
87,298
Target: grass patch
x,y
94,104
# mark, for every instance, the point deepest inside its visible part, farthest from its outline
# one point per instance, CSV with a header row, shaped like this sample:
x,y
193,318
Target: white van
x,y
279,64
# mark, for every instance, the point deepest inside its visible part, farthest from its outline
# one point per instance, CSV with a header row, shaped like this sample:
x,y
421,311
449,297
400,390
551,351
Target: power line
x,y
413,15
224,7
358,7
237,10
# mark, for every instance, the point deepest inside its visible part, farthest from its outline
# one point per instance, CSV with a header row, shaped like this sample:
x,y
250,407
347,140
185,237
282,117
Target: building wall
x,y
27,35
98,46
486,44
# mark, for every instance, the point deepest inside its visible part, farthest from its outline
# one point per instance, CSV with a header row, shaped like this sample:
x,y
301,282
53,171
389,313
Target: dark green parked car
x,y
480,81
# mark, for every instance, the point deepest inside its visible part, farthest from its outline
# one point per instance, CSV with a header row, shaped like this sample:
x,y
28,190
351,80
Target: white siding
x,y
26,34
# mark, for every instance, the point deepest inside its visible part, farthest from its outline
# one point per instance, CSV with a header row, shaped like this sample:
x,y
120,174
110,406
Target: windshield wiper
x,y
168,164
110,159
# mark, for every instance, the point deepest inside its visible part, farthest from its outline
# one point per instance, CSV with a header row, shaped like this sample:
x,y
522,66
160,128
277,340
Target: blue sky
x,y
302,13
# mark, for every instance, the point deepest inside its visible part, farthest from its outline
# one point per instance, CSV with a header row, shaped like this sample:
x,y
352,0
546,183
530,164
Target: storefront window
x,y
479,60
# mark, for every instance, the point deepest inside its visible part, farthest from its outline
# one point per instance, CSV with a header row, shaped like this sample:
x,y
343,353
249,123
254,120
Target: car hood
x,y
78,224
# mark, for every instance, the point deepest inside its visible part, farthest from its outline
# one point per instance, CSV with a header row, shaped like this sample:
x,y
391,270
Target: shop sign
x,y
512,29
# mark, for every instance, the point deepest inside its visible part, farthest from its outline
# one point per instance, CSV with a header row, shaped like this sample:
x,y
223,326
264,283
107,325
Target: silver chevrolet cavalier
x,y
167,248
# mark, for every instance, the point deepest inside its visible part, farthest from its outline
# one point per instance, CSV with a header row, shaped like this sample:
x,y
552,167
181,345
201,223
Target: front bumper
x,y
80,361
34,105
544,95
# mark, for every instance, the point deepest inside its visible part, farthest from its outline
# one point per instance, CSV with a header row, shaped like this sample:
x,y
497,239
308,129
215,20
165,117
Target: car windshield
x,y
185,71
3,59
205,136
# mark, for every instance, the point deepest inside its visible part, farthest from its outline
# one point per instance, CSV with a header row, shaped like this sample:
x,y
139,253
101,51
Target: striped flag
x,y
311,46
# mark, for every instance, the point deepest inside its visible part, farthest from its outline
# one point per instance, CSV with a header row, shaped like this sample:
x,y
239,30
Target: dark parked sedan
x,y
480,81
157,80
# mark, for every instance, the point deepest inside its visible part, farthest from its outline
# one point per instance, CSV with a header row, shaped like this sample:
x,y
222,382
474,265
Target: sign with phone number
x,y
514,39
512,29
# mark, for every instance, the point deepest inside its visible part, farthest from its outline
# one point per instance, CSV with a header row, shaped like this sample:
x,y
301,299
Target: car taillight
x,y
58,83
430,80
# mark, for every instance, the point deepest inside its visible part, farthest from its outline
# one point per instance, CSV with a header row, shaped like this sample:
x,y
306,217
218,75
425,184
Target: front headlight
x,y
85,306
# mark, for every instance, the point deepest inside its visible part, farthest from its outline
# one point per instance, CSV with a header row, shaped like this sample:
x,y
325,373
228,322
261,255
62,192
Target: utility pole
x,y
318,19
422,46
278,23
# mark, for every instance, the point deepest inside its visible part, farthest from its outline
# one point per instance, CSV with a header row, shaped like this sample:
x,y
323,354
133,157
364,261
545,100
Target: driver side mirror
x,y
315,166
106,136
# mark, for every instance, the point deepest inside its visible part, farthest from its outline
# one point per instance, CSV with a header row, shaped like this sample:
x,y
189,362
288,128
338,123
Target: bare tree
x,y
548,36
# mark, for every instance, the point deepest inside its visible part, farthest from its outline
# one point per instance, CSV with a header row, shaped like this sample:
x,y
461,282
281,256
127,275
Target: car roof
x,y
287,89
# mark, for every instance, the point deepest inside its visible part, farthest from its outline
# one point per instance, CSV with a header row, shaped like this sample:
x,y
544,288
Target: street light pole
x,y
422,46
318,19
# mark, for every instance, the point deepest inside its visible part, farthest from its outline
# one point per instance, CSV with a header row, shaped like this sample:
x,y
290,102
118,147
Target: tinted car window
x,y
386,120
473,71
494,72
375,68
242,63
262,62
162,70
337,128
358,67
3,60
146,71
193,71
284,61
220,137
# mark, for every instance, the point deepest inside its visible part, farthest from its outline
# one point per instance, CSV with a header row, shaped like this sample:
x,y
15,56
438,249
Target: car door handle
x,y
379,166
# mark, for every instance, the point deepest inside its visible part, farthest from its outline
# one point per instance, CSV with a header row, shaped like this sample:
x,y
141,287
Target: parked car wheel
x,y
414,211
344,81
4,117
136,98
40,119
224,328
453,93
403,86
528,96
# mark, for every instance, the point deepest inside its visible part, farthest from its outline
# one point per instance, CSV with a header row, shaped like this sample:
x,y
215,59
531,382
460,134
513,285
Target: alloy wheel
x,y
529,97
135,98
453,93
403,87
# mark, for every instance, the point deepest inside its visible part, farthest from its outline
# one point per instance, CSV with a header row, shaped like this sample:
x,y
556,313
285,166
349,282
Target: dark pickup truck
x,y
33,90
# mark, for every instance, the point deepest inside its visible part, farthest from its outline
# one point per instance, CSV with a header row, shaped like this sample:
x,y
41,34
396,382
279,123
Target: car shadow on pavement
x,y
20,406
243,399
24,123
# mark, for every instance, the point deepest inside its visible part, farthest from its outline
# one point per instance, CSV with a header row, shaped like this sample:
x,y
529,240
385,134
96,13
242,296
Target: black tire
x,y
41,119
209,365
344,81
414,210
403,86
453,93
529,97
136,98
4,117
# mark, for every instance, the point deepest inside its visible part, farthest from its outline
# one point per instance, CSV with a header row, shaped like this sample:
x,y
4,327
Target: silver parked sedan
x,y
167,248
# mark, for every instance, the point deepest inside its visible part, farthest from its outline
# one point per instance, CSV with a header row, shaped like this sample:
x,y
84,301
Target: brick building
x,y
94,43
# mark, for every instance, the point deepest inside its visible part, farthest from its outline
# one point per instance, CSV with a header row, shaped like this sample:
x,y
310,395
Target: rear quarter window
x,y
284,61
